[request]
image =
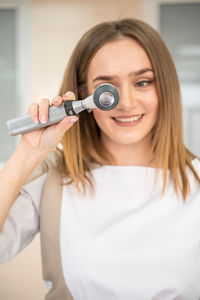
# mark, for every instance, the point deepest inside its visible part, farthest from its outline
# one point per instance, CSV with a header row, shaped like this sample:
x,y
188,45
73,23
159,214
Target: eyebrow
x,y
135,73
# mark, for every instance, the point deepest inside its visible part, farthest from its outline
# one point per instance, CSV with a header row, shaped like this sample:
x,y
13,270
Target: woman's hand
x,y
31,151
47,138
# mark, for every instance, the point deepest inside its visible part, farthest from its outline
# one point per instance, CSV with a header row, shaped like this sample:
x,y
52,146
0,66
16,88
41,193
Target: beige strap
x,y
50,215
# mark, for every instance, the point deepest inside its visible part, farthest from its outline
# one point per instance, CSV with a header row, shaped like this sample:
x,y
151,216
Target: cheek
x,y
154,107
100,116
152,103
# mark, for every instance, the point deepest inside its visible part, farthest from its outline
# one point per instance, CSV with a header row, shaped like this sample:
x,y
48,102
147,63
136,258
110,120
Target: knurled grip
x,y
69,108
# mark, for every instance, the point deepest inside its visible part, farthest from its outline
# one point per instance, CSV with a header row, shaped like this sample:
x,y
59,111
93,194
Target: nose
x,y
127,99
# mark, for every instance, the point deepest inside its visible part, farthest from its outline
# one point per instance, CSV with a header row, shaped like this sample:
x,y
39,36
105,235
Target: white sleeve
x,y
22,223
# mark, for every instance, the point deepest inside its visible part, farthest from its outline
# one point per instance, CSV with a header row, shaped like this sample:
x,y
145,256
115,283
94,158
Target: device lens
x,y
106,99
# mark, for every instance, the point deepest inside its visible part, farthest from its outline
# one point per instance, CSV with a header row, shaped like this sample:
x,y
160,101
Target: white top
x,y
122,242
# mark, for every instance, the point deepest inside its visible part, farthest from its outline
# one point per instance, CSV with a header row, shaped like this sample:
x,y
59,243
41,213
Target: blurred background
x,y
37,38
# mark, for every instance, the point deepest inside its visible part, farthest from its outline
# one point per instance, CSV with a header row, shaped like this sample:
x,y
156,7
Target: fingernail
x,y
57,100
73,120
43,119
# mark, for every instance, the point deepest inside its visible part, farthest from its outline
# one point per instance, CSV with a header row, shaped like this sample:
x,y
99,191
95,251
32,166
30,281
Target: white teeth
x,y
128,119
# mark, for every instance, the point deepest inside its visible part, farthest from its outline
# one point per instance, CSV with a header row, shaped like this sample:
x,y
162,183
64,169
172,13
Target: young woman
x,y
119,209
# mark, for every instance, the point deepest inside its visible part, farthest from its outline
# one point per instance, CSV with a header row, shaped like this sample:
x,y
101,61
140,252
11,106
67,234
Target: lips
x,y
128,119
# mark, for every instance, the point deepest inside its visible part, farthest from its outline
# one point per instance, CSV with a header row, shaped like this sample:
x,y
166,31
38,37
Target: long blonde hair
x,y
82,145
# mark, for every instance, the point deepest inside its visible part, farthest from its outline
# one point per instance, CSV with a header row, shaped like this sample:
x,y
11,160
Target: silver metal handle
x,y
25,124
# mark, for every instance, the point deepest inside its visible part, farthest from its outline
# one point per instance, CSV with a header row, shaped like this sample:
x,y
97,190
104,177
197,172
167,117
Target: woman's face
x,y
125,64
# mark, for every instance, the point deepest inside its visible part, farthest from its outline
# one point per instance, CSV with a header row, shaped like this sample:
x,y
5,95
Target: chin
x,y
128,141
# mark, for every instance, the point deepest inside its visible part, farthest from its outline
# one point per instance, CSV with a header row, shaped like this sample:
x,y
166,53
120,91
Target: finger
x,y
57,100
64,125
33,111
44,110
69,96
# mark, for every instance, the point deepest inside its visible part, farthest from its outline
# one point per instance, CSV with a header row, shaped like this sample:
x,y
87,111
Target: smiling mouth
x,y
128,119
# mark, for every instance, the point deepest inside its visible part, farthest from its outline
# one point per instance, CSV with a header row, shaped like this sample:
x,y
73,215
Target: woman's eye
x,y
143,83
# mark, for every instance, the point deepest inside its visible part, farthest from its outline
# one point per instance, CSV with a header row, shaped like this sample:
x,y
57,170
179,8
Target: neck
x,y
139,154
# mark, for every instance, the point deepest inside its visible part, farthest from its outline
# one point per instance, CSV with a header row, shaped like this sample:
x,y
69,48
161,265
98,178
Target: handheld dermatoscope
x,y
105,97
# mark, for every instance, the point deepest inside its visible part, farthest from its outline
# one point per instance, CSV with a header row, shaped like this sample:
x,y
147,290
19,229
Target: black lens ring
x,y
102,89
